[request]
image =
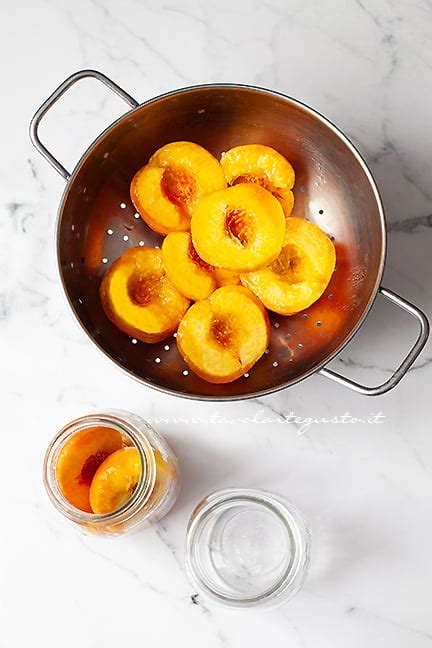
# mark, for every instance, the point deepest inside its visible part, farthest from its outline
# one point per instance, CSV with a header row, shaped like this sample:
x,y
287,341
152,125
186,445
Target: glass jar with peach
x,y
110,472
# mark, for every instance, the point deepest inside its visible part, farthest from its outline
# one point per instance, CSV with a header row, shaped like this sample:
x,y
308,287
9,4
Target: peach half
x,y
192,276
240,229
222,337
115,480
262,165
79,459
139,298
166,189
300,274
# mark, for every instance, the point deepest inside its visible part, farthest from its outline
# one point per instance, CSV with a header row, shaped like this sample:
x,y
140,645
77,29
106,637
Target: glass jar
x,y
155,492
247,547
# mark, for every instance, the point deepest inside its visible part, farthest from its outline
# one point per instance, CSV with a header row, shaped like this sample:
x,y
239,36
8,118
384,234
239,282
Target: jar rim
x,y
145,484
288,582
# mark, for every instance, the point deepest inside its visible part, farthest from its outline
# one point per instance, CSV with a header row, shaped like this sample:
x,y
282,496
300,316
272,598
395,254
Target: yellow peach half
x,y
240,229
262,165
115,480
166,189
300,274
222,337
192,276
79,460
139,298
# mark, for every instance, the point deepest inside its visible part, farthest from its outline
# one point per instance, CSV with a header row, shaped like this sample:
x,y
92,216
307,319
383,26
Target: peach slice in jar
x,y
139,298
166,189
192,276
222,337
79,459
241,228
300,274
262,165
115,480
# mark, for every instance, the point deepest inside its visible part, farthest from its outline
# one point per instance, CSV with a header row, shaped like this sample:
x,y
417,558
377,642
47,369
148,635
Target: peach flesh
x,y
239,225
178,186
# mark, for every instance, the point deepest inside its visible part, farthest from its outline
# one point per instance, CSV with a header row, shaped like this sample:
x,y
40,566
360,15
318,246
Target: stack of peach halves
x,y
230,246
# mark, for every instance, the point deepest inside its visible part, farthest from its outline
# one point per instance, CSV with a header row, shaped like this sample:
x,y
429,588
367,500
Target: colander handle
x,y
52,99
407,361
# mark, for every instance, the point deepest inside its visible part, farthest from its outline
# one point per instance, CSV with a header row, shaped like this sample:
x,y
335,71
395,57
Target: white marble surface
x,y
365,488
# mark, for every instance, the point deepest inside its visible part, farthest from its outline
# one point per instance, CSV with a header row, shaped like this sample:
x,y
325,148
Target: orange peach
x,y
300,274
166,189
262,165
115,480
240,229
192,276
222,337
139,298
79,460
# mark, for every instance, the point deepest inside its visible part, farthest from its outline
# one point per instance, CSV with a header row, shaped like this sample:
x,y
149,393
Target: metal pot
x,y
334,188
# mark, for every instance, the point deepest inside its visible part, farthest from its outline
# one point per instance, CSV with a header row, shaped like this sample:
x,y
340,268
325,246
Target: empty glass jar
x,y
247,547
